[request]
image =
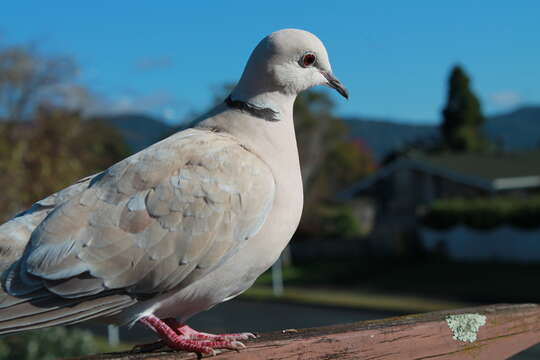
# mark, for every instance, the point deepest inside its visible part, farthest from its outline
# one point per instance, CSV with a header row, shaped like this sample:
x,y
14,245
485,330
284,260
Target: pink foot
x,y
185,330
182,337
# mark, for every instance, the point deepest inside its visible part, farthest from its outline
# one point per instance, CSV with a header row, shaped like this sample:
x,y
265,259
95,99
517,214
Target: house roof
x,y
487,166
490,172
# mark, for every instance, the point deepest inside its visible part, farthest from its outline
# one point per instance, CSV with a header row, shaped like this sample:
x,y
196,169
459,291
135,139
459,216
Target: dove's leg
x,y
181,342
185,330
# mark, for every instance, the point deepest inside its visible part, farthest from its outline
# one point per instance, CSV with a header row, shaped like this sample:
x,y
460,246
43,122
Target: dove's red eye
x,y
308,60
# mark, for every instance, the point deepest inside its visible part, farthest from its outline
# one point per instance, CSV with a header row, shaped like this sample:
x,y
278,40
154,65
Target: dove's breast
x,y
239,272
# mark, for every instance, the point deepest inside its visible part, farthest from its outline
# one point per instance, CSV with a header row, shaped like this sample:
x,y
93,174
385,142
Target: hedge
x,y
484,213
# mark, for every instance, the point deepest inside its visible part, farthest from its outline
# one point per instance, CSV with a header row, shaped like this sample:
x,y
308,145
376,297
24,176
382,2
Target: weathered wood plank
x,y
508,330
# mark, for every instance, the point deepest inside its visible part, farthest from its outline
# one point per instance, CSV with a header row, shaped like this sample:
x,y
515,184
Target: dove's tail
x,y
43,309
39,308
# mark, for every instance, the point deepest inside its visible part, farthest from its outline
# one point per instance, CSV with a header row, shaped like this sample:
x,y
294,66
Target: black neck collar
x,y
257,111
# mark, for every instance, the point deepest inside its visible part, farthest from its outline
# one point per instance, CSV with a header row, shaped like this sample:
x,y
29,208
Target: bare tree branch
x,y
28,78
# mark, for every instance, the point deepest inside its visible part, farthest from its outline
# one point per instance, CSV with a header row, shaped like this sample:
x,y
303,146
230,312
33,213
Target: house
x,y
400,190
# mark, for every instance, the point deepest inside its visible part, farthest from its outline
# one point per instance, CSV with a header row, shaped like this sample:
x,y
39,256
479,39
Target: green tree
x,y
56,148
45,144
462,116
330,161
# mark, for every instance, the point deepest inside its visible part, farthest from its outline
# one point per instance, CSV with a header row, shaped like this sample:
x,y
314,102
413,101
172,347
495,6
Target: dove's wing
x,y
158,220
15,233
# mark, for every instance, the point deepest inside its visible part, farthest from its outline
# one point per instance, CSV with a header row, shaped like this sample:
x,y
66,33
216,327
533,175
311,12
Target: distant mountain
x,y
383,136
139,130
516,130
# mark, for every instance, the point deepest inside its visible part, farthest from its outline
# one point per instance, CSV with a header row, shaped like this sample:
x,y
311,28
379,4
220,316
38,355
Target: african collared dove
x,y
179,227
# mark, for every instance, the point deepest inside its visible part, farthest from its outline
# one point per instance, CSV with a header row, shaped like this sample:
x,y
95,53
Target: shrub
x,y
51,343
484,213
339,221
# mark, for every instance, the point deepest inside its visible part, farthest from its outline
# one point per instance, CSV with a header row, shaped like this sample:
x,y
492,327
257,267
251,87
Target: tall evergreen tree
x,y
462,116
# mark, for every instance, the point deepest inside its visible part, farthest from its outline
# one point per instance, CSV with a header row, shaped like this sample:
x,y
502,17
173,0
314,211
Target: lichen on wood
x,y
465,327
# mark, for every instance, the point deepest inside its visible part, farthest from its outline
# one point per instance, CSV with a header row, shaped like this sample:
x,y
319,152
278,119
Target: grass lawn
x,y
351,299
402,286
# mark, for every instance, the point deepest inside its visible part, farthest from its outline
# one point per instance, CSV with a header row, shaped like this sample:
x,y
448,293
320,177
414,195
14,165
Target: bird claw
x,y
222,344
225,337
237,345
193,334
181,337
245,336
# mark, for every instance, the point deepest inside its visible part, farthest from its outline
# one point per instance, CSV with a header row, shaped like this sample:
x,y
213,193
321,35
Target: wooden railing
x,y
489,332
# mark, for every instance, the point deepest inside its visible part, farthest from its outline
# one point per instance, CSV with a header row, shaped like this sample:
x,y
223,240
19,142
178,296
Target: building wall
x,y
504,243
398,199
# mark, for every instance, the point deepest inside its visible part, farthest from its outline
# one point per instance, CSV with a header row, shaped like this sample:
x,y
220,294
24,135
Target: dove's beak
x,y
334,83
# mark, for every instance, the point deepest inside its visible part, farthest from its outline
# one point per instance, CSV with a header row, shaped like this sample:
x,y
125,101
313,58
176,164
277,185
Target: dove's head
x,y
288,61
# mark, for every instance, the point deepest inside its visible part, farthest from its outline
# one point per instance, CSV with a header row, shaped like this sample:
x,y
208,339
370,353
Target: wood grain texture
x,y
509,329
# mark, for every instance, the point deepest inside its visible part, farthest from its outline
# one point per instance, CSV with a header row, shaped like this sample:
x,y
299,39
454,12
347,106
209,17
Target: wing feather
x,y
160,219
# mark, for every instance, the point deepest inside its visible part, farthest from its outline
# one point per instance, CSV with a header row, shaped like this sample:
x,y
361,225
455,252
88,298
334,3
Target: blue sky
x,y
166,57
